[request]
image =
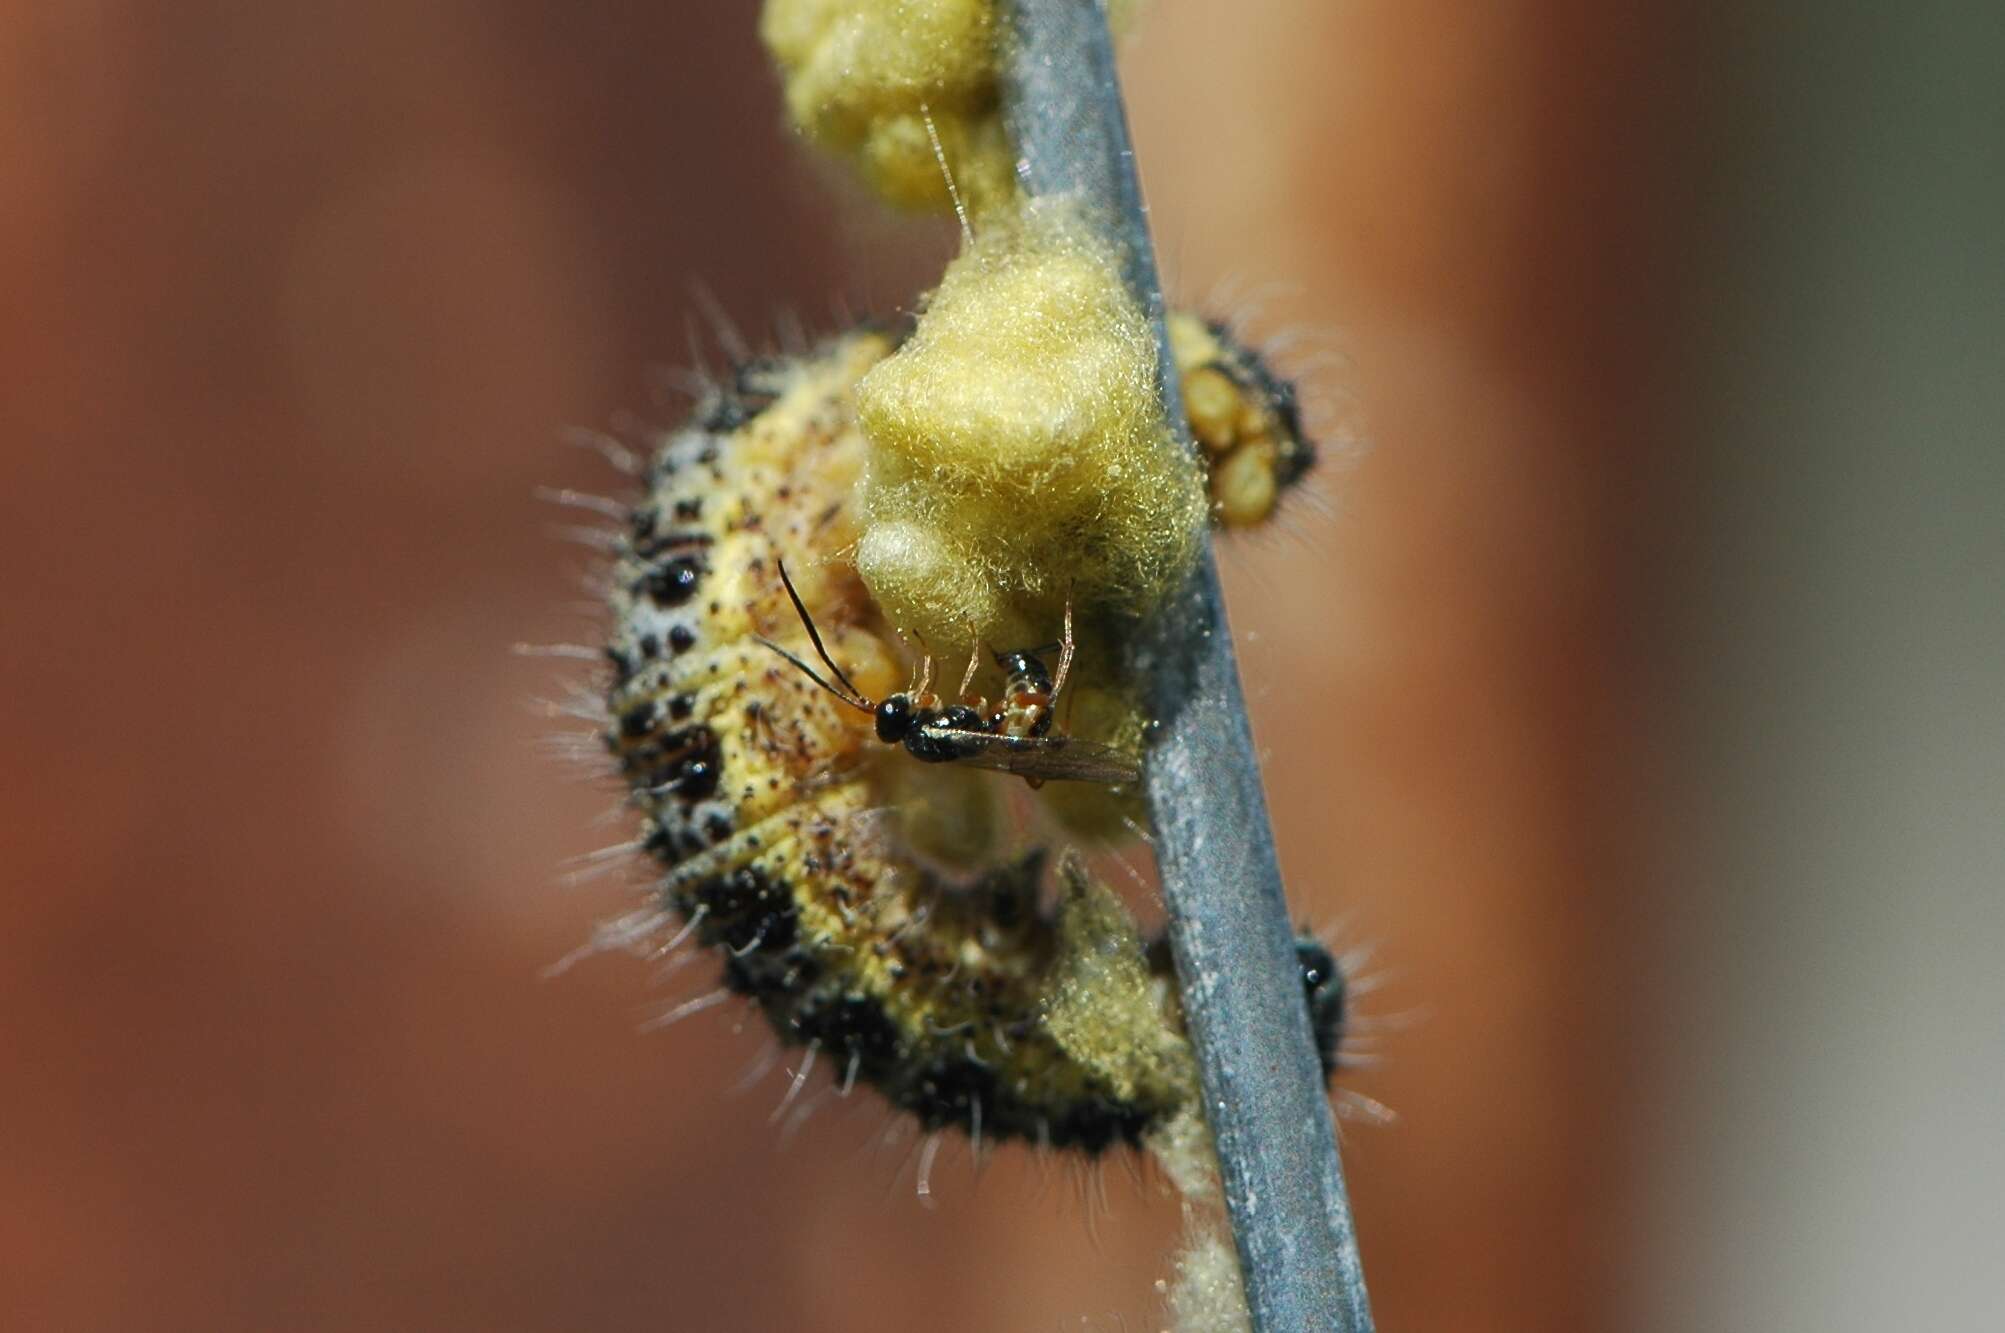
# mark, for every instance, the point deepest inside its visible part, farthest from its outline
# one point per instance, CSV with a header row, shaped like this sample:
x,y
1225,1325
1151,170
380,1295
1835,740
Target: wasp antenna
x,y
953,191
814,635
856,701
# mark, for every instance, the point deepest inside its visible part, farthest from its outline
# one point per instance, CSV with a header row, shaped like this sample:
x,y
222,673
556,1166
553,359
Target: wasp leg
x,y
1065,646
968,676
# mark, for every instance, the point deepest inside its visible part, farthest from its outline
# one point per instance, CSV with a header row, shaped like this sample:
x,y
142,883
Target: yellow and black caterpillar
x,y
789,836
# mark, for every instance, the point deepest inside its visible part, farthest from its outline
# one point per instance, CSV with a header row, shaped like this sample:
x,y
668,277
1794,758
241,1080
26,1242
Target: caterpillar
x,y
804,852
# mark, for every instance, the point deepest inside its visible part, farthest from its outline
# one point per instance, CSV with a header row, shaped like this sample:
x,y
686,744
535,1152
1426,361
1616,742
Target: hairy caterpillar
x,y
802,850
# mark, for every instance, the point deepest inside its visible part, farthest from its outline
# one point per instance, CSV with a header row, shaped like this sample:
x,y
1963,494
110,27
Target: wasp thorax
x,y
960,717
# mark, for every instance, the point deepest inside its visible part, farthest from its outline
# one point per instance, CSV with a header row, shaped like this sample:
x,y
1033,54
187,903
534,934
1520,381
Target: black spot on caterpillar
x,y
953,994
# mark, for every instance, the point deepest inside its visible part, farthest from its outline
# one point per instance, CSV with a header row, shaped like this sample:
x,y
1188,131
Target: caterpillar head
x,y
1323,984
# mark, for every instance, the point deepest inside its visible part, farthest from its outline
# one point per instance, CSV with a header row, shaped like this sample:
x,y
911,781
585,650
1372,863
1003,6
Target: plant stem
x,y
1229,925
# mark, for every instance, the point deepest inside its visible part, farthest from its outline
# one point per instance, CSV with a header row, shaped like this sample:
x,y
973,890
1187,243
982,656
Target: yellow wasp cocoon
x,y
1018,456
861,76
1105,1006
1207,1295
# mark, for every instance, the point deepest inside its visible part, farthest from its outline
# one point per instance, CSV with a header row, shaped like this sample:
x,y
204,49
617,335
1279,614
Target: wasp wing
x,y
1043,758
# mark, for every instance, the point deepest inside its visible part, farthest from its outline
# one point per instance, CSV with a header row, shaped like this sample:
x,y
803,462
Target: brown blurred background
x,y
1638,696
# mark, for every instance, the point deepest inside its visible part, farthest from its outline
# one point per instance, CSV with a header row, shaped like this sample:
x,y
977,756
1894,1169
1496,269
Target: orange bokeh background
x,y
300,297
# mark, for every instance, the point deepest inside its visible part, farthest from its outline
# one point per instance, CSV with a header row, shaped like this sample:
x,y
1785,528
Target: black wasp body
x,y
1012,736
930,735
933,734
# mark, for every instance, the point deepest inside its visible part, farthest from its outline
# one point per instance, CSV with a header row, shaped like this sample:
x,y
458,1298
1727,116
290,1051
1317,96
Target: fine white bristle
x,y
687,1009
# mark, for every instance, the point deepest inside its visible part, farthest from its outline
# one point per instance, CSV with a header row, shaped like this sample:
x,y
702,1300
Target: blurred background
x,y
1640,695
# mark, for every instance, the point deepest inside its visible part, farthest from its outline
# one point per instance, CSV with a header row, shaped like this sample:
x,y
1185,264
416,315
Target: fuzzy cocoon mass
x,y
860,77
1206,1295
1018,456
1103,1004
